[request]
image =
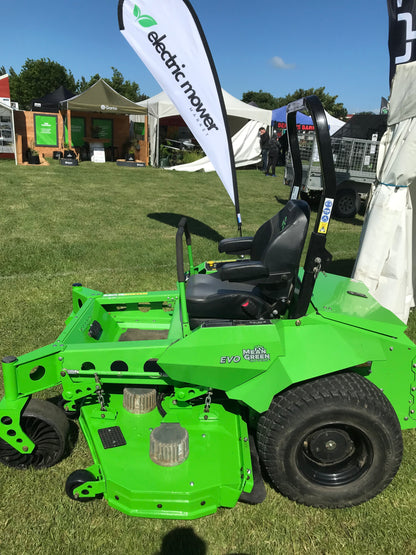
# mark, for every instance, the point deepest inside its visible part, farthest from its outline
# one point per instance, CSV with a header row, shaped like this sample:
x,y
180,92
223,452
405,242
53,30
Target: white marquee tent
x,y
333,123
387,254
244,121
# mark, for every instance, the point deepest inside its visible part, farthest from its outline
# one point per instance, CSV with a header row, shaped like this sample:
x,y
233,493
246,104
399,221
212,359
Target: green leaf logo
x,y
143,20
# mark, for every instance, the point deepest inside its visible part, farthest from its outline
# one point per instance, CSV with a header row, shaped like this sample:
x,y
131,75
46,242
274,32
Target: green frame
x,y
42,136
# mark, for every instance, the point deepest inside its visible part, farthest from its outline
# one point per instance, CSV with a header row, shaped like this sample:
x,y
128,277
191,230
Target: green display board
x,y
77,131
139,129
103,129
46,130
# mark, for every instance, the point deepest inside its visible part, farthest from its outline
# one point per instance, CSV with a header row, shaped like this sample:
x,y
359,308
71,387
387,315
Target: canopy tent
x,y
387,254
239,114
303,122
279,119
51,101
334,124
9,148
100,97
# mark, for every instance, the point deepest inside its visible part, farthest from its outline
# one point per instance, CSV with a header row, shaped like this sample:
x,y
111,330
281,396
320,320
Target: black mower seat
x,y
261,286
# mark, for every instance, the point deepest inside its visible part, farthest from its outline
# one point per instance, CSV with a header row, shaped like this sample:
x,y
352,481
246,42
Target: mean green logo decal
x,y
142,19
258,353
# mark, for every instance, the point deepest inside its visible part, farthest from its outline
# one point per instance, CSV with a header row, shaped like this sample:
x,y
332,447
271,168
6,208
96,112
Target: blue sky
x,y
275,46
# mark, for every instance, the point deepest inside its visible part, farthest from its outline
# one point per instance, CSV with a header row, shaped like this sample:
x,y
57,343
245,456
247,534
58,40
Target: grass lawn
x,y
113,229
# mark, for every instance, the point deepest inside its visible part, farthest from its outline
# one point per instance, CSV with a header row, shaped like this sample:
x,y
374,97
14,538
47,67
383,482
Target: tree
x,y
37,78
268,101
83,84
336,109
129,89
261,99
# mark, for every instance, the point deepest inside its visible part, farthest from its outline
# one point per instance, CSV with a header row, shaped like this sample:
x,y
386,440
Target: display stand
x,y
68,162
131,163
96,149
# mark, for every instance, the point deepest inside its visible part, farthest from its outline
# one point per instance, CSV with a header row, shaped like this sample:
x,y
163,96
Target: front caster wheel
x,y
78,478
47,426
332,442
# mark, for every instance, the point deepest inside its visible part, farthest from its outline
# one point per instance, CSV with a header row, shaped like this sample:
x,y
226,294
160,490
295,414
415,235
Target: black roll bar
x,y
317,256
323,139
182,228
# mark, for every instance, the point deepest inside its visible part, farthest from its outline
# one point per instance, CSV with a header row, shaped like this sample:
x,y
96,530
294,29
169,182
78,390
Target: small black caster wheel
x,y
78,478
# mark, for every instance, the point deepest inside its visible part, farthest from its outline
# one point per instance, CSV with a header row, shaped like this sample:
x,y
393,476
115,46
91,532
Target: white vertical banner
x,y
167,36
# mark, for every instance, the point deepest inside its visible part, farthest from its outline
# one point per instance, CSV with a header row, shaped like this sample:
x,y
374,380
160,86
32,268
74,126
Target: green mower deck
x,y
216,471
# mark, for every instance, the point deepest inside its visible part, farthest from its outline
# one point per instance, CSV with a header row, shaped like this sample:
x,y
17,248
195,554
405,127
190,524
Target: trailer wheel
x,y
346,203
332,442
47,426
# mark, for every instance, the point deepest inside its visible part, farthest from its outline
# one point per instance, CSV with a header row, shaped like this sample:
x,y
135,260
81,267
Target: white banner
x,y
168,37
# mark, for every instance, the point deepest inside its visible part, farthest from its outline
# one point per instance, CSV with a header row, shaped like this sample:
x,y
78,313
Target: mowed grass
x,y
113,229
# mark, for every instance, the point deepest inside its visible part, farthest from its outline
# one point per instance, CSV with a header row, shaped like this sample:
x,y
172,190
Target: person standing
x,y
264,147
274,150
283,144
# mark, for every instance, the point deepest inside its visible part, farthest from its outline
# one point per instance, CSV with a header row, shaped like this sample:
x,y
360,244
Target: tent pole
x,y
146,138
14,138
157,144
68,115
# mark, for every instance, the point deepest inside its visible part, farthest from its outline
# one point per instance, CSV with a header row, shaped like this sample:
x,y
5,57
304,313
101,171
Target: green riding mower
x,y
252,366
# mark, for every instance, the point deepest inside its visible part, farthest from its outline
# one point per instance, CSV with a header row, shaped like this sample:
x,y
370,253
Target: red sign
x,y
300,127
4,87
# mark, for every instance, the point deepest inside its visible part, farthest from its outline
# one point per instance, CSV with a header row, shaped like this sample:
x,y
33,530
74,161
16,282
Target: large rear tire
x,y
332,442
47,426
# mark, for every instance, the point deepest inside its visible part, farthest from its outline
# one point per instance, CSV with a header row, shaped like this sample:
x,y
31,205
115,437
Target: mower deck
x,y
214,474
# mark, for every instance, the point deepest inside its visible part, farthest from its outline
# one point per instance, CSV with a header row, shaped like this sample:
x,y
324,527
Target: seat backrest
x,y
279,242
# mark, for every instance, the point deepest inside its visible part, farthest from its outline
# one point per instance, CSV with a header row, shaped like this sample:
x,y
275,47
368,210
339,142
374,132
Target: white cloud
x,y
279,63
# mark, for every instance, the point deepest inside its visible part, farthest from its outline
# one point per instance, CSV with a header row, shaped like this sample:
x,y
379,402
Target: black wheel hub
x,y
334,455
329,446
346,204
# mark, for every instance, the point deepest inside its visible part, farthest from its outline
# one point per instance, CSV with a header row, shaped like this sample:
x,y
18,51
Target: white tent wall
x,y
245,146
333,123
238,112
386,257
7,111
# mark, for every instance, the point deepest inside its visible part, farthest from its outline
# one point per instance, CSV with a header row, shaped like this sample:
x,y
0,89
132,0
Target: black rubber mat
x,y
143,335
111,437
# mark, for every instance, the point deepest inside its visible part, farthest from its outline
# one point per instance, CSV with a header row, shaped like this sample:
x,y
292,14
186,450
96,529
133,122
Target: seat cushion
x,y
209,297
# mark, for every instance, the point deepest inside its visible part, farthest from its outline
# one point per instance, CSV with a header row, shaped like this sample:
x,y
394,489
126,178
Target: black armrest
x,y
244,270
236,245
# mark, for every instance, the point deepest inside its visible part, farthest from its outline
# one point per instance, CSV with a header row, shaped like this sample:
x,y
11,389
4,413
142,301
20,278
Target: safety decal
x,y
325,216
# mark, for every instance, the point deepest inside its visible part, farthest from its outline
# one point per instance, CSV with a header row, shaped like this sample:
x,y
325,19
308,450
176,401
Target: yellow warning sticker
x,y
325,216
